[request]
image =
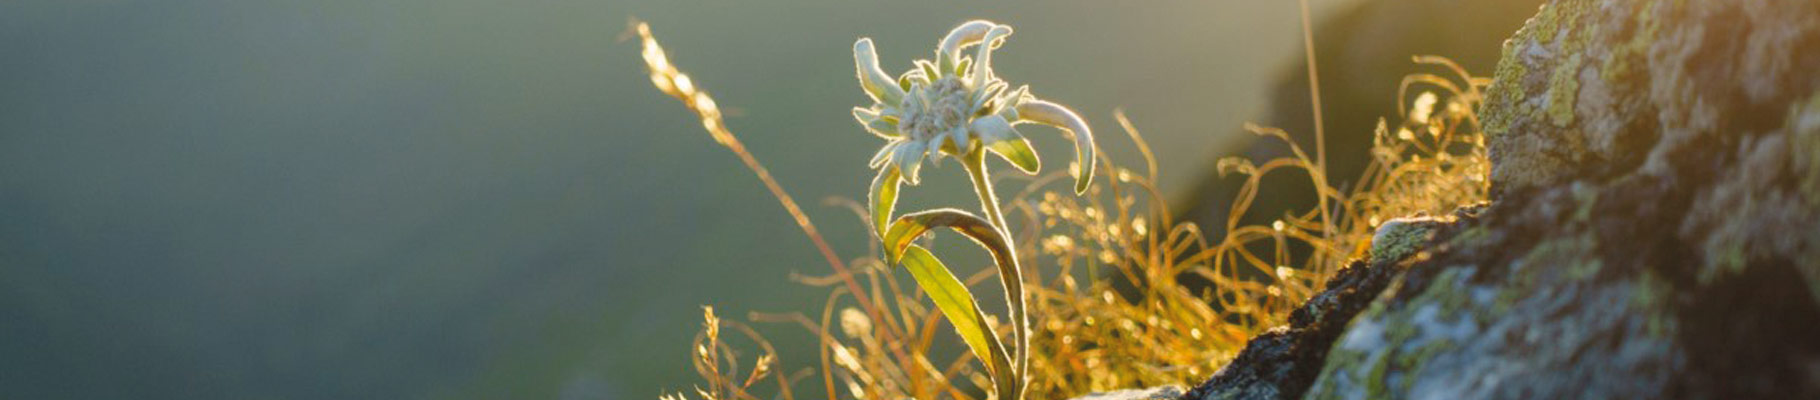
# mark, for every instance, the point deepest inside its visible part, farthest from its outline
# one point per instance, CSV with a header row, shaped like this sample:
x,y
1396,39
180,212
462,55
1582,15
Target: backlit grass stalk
x,y
668,79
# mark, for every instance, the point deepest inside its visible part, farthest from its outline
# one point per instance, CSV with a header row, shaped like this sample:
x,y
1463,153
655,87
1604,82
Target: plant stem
x,y
975,163
1320,135
1012,275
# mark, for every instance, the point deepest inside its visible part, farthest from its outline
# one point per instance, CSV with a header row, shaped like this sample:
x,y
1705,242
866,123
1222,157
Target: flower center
x,y
935,108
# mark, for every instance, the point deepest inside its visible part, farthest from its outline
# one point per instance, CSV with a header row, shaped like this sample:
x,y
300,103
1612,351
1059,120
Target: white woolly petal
x,y
960,140
986,95
876,123
982,59
913,78
872,78
962,36
992,128
884,154
1056,115
909,159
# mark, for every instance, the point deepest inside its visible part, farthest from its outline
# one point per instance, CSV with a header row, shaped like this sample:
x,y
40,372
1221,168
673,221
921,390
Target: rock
x,y
1654,230
1593,89
1717,99
1519,308
1399,238
1155,393
1283,362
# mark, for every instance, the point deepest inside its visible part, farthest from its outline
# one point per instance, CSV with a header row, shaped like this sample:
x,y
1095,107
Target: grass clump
x,y
1133,299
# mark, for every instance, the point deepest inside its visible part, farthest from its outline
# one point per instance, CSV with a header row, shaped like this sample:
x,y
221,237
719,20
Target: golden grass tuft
x,y
1111,271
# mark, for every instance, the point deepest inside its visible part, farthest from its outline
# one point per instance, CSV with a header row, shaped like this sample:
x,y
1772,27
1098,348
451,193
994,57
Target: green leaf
x,y
1002,139
883,198
1018,153
908,227
957,304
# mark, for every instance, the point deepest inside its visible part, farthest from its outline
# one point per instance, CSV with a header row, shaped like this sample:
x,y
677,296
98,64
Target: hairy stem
x,y
975,163
1012,275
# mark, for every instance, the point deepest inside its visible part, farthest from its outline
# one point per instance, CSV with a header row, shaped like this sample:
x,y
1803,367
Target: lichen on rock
x,y
1401,237
1706,95
1511,315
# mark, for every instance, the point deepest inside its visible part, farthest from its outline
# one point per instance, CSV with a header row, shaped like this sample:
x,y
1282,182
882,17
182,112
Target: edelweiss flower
x,y
955,103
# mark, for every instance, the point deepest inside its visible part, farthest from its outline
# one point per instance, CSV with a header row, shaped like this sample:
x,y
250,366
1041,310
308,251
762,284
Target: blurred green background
x,y
486,199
